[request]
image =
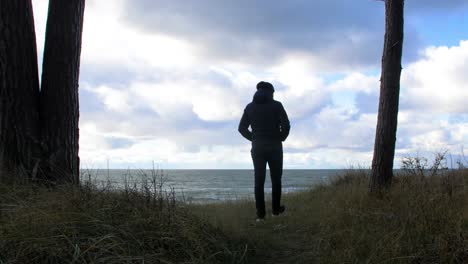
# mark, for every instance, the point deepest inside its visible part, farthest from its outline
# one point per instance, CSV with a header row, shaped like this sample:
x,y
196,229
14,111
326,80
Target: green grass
x,y
418,220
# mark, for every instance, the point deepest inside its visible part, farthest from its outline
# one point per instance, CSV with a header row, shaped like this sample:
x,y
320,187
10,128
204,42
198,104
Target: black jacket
x,y
267,118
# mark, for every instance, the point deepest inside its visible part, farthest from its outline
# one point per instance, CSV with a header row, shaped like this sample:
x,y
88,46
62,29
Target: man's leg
x,y
259,162
275,162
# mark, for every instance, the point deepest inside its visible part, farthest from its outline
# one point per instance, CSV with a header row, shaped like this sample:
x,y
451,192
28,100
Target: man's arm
x,y
244,127
285,126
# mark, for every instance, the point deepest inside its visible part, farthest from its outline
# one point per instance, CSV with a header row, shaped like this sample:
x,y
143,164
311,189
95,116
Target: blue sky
x,y
167,81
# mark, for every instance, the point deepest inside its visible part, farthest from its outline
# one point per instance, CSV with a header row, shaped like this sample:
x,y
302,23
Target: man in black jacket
x,y
270,127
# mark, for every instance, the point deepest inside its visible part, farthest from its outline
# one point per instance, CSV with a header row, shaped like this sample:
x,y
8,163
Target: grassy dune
x,y
419,220
86,225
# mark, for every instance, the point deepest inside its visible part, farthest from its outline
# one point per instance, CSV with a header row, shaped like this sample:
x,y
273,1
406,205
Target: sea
x,y
204,186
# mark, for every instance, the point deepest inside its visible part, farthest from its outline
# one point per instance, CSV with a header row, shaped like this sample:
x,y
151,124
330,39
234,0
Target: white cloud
x,y
114,99
419,131
437,83
304,89
208,101
324,133
357,82
179,106
109,41
324,158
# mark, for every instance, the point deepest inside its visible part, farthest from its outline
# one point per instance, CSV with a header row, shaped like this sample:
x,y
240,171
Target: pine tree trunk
x,y
59,90
19,90
384,148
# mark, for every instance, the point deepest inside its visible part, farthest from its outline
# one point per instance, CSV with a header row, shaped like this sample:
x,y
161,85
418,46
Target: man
x,y
270,127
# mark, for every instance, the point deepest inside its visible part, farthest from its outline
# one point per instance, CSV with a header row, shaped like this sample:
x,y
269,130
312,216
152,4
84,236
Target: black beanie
x,y
265,86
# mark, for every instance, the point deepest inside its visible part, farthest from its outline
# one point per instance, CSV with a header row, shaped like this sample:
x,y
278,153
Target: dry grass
x,y
418,220
88,225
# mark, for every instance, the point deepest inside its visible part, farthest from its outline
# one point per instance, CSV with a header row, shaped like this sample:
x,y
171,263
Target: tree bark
x,y
385,138
59,104
19,90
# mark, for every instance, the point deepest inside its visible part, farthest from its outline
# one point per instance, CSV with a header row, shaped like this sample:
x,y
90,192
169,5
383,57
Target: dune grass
x,y
419,220
88,225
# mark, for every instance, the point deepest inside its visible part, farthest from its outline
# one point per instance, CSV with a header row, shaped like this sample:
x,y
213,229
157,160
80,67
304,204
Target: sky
x,y
166,81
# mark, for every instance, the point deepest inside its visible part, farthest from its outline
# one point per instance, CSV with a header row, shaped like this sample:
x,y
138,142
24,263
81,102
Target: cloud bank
x,y
167,81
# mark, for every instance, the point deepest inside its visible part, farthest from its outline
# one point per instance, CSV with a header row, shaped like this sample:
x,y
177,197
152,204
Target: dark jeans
x,y
271,153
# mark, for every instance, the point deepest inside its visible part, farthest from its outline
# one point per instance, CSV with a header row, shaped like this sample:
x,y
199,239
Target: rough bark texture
x,y
59,106
19,90
384,148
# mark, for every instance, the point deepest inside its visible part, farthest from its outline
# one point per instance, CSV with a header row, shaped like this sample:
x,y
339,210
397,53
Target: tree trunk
x,y
59,106
384,148
19,90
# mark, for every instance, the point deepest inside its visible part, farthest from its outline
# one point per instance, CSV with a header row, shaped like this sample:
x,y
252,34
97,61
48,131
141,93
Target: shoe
x,y
260,220
281,210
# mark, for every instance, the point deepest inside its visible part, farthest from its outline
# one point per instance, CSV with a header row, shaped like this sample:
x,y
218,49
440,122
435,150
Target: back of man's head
x,y
265,86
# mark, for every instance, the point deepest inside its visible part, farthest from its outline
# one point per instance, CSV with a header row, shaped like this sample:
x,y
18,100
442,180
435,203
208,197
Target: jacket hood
x,y
263,96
